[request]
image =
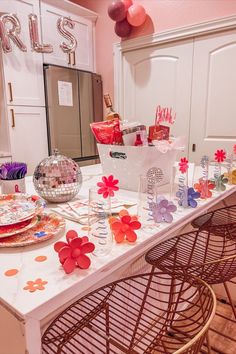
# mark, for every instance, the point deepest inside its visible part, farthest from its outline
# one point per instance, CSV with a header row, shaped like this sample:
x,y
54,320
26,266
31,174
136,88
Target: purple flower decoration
x,y
192,195
162,209
187,197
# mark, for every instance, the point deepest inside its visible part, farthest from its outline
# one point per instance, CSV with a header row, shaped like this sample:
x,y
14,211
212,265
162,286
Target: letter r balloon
x,y
10,33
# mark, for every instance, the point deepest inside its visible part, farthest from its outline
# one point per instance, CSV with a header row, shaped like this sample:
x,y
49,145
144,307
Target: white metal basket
x,y
127,163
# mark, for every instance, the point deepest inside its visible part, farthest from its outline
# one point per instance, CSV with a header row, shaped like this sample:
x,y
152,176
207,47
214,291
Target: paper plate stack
x,y
22,221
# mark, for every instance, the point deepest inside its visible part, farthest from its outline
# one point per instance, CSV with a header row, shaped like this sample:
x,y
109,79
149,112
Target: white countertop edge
x,y
135,250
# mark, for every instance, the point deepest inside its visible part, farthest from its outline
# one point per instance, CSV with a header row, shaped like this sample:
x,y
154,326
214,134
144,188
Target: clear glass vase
x,y
148,193
99,212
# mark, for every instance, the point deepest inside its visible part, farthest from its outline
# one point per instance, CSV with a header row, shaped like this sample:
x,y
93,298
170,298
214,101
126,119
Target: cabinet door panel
x,y
83,58
84,51
23,71
28,135
50,15
159,75
213,111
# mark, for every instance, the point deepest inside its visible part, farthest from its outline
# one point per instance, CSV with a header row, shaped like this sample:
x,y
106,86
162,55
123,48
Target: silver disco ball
x,y
57,178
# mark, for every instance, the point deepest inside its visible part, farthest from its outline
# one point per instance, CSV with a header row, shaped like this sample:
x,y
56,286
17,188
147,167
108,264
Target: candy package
x,y
107,132
159,132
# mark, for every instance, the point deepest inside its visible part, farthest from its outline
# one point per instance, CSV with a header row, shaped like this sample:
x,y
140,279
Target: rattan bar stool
x,y
221,221
200,253
133,315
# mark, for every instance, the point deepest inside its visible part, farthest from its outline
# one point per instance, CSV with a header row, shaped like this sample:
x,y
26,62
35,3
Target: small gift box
x,y
158,131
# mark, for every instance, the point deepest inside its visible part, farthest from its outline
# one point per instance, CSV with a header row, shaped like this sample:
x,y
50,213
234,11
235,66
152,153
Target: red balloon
x,y
123,28
117,11
127,3
136,15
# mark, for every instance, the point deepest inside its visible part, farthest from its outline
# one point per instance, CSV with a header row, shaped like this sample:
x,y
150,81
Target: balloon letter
x,y
34,36
61,23
10,33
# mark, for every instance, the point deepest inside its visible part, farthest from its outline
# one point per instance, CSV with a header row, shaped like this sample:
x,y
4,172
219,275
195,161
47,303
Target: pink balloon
x,y
123,28
117,11
136,15
127,3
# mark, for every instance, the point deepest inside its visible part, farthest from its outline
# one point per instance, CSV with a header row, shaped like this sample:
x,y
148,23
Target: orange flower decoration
x,y
204,189
124,226
38,284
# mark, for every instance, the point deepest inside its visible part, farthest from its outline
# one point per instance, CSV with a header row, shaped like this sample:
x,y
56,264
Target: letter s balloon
x,y
61,23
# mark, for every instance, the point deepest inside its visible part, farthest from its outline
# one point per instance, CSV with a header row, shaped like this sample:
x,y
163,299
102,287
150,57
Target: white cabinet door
x,y
83,56
23,71
28,135
213,111
159,75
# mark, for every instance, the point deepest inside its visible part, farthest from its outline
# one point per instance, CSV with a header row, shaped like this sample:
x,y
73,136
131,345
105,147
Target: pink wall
x,y
162,15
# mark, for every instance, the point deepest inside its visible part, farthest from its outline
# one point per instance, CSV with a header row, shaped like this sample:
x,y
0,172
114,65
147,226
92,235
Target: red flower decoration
x,y
204,189
183,165
73,253
108,186
124,226
220,155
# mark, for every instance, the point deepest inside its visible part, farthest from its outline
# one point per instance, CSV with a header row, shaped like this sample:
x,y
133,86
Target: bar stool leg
x,y
208,342
230,298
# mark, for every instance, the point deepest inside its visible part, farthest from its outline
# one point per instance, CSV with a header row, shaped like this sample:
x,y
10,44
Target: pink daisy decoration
x,y
220,155
234,148
108,186
183,165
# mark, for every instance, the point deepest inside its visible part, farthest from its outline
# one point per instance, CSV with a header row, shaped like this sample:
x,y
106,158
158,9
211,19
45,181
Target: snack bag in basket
x,y
107,132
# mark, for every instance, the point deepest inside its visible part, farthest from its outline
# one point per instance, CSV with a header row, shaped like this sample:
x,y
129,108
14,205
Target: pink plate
x,y
10,230
15,208
48,226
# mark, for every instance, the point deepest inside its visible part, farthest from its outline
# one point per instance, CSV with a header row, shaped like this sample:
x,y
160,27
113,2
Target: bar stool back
x,y
220,221
134,315
200,253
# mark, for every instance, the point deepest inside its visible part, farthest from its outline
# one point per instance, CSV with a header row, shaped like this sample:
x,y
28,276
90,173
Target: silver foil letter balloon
x,y
34,36
61,23
10,33
57,178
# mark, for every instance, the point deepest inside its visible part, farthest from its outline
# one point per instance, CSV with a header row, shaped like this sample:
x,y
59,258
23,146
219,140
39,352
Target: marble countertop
x,y
61,288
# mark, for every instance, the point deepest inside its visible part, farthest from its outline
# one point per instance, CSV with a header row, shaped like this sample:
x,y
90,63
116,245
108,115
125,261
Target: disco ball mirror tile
x,y
57,178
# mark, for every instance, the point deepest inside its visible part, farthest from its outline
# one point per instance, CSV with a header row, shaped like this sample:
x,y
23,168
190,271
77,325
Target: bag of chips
x,y
107,132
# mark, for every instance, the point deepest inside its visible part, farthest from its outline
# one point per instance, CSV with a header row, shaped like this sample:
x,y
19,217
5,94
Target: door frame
x,y
155,39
